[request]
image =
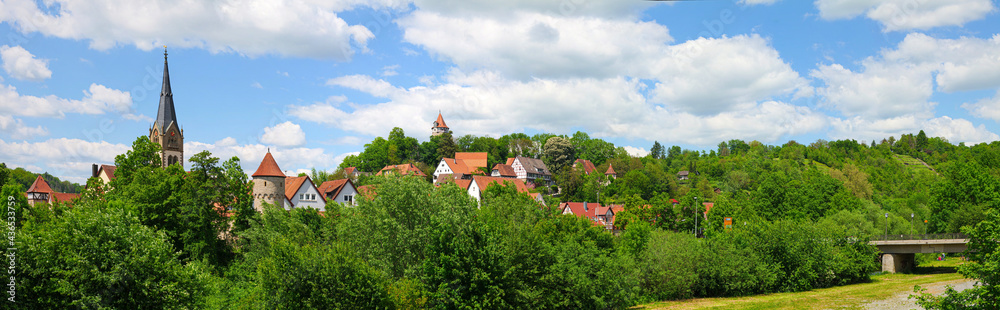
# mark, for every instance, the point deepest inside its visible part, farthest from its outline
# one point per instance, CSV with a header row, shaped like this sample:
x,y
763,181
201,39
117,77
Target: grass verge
x,y
883,286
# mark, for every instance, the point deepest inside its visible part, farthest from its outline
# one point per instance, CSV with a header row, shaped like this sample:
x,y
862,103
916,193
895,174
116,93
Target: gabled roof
x,y
683,173
333,188
165,115
484,181
293,184
533,165
268,168
505,170
440,122
588,166
404,169
109,169
457,166
473,160
350,170
611,171
587,209
40,186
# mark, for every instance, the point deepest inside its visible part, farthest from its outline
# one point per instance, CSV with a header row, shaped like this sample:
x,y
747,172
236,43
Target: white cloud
x,y
880,91
897,15
961,64
98,99
986,108
284,134
22,65
388,71
257,85
502,9
17,130
530,44
636,151
484,103
711,76
69,159
378,88
302,28
955,130
288,159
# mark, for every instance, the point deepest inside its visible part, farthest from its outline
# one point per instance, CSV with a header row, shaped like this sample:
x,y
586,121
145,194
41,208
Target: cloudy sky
x,y
315,80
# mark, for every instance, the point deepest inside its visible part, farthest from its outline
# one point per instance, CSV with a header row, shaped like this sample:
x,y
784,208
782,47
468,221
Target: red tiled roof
x,y
292,185
332,186
484,181
577,208
367,191
268,168
510,161
404,169
349,170
64,197
588,166
457,166
40,186
505,170
440,121
611,170
708,206
473,160
463,184
109,169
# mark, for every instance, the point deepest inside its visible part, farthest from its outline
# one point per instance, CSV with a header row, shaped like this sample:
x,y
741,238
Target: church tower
x,y
439,127
268,184
166,132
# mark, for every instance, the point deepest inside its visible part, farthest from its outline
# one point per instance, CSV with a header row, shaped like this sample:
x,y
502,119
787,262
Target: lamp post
x,y
911,223
887,226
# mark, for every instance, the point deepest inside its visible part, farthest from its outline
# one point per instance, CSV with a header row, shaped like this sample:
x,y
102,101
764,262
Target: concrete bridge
x,y
898,250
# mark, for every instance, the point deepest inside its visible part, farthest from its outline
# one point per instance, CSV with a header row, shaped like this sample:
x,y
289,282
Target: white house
x,y
302,193
339,191
530,169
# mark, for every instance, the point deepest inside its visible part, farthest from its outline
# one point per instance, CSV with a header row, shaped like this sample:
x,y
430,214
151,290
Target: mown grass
x,y
883,286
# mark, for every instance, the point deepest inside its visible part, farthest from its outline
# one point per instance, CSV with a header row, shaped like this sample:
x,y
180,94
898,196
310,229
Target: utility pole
x,y
696,217
887,226
911,223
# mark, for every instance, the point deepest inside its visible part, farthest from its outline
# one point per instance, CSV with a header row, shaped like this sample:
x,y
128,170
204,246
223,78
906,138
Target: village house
x,y
503,171
404,169
301,192
601,216
41,192
530,169
588,166
339,191
462,167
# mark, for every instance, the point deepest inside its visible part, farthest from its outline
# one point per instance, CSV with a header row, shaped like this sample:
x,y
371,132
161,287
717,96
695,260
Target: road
x,y
903,302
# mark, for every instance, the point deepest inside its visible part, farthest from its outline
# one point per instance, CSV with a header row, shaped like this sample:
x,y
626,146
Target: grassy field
x,y
849,296
911,162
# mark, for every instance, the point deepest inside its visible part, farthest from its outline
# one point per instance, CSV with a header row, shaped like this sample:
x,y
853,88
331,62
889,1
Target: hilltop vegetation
x,y
802,216
25,178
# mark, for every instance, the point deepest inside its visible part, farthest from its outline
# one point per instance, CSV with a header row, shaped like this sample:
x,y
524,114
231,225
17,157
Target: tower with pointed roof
x,y
166,132
268,184
439,127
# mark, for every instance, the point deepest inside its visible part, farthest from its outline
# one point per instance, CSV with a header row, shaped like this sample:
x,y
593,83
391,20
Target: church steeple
x,y
166,131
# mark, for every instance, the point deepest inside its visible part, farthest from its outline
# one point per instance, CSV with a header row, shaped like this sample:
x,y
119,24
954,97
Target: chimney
x,y
94,171
585,206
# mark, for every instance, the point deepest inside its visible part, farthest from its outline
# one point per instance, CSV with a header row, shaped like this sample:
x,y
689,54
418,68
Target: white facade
x,y
307,197
442,168
346,194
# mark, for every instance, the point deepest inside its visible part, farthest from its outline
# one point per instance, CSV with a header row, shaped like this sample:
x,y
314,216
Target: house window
x,y
302,196
348,198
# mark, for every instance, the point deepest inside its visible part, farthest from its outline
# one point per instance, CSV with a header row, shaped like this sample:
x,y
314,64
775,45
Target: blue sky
x,y
313,81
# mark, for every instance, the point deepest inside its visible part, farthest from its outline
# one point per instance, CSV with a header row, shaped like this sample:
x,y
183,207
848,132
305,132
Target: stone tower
x,y
268,184
166,132
439,126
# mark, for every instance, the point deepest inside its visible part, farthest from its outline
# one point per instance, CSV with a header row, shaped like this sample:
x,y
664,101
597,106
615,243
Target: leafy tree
x,y
559,153
657,151
103,257
446,147
984,266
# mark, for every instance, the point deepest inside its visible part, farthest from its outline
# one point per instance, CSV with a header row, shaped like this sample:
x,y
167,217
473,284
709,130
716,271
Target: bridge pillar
x,y
897,262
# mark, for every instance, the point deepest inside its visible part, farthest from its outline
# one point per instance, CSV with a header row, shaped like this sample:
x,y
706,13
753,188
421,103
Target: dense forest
x,y
25,178
162,238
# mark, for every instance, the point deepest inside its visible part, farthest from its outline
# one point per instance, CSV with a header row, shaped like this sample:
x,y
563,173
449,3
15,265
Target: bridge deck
x,y
922,246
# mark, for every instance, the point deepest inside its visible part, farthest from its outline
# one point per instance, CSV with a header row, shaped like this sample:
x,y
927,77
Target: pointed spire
x,y
40,186
165,114
268,167
440,121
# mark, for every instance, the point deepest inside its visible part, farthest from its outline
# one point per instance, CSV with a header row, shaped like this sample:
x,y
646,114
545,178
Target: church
x,y
165,131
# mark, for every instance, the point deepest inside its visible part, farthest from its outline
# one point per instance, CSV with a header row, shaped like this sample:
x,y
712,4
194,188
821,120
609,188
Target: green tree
x,y
446,147
103,257
559,153
657,151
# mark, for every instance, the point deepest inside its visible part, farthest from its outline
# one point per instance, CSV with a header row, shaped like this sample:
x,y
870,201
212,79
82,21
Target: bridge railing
x,y
920,237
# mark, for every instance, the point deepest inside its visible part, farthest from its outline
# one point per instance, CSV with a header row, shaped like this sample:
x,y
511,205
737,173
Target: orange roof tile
x,y
440,121
484,181
333,188
588,166
64,197
292,185
40,186
268,168
611,170
472,160
404,169
505,170
109,169
457,166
